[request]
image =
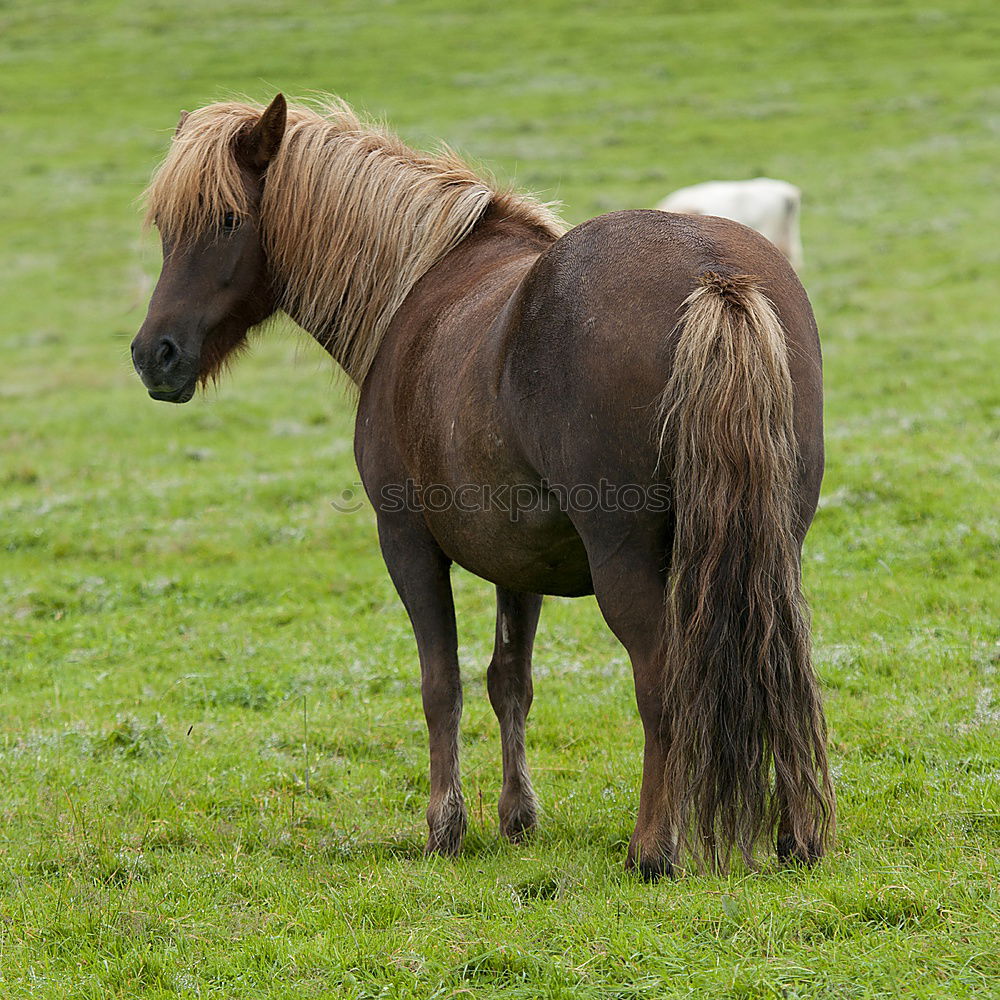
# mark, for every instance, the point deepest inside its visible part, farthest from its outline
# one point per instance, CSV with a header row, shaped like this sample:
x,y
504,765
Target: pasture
x,y
213,755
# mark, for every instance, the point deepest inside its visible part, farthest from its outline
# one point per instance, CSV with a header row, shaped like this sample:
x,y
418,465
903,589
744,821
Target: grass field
x,y
212,752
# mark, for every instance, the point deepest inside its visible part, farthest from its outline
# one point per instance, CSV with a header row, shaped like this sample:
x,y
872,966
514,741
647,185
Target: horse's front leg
x,y
508,681
420,571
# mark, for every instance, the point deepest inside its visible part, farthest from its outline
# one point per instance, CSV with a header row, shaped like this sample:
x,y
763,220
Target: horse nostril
x,y
166,353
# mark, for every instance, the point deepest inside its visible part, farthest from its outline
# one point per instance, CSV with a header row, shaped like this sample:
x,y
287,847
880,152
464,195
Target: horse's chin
x,y
181,395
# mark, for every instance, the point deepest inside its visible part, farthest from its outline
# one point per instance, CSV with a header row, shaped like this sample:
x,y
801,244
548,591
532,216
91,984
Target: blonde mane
x,y
351,218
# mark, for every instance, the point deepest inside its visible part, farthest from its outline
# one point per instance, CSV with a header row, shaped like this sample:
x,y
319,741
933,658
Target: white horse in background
x,y
769,206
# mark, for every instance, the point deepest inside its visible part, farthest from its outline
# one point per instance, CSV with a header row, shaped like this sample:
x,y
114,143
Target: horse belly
x,y
514,545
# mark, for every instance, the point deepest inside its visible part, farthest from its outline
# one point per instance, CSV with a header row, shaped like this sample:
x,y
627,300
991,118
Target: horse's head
x,y
215,283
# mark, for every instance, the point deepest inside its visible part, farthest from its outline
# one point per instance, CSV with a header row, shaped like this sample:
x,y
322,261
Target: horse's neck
x,y
493,242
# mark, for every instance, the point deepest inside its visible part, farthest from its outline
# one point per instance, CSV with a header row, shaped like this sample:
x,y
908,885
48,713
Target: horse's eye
x,y
230,223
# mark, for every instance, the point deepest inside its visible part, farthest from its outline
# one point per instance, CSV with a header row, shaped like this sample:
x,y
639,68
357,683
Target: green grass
x,y
212,754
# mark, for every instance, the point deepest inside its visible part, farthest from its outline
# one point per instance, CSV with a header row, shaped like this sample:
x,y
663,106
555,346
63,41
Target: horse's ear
x,y
180,124
263,140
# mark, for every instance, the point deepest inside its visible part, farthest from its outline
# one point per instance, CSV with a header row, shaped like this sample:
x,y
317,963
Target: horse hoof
x,y
519,826
791,853
447,823
447,843
651,869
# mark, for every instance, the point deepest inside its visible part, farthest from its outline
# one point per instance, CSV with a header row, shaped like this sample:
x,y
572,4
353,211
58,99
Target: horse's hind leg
x,y
630,592
789,850
805,846
508,681
420,571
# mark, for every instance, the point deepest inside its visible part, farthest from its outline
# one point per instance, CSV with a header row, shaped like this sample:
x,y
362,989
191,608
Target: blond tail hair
x,y
746,738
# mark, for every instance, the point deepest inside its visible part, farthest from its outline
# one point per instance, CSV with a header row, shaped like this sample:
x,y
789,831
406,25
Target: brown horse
x,y
528,399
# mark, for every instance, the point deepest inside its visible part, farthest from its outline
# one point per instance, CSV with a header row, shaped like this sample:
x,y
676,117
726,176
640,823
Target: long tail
x,y
746,738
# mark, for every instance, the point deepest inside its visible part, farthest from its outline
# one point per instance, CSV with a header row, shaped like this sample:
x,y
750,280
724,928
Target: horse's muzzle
x,y
167,372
